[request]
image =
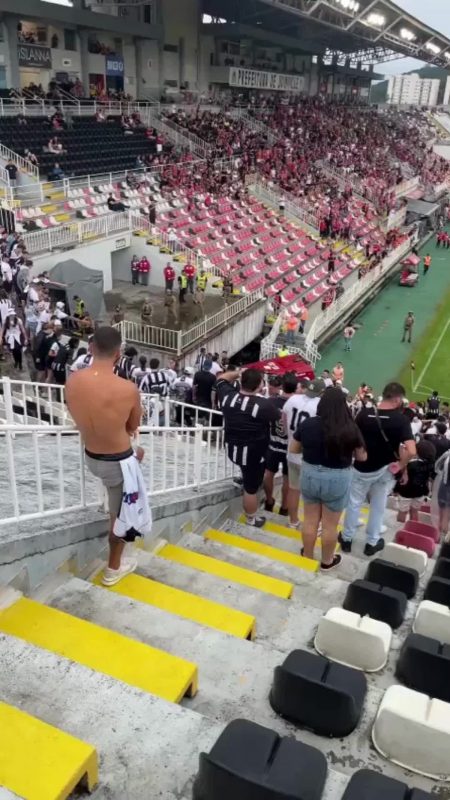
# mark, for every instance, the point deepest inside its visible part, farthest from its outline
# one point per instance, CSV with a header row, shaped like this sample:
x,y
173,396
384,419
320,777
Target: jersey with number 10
x,y
296,410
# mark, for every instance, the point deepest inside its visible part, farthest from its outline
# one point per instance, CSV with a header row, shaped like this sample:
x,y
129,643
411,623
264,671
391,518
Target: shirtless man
x,y
107,412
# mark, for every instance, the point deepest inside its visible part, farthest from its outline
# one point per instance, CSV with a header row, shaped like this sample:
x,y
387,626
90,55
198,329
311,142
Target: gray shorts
x,y
107,468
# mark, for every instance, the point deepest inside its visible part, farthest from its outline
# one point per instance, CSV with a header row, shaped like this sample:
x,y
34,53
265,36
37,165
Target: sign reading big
x,y
34,55
273,81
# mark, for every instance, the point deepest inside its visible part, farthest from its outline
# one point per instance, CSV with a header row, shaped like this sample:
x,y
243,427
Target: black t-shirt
x,y
310,435
204,383
441,443
419,475
396,428
278,437
11,169
247,417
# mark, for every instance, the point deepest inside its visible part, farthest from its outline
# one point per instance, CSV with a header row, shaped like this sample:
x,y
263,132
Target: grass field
x,y
378,354
431,358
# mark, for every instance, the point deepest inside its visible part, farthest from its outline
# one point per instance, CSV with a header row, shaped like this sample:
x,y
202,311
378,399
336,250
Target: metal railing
x,y
221,318
407,186
22,163
254,124
27,403
269,347
199,146
47,475
76,233
292,205
325,319
38,107
181,341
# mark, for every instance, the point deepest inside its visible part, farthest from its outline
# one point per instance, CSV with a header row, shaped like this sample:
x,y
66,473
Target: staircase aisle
x,y
142,677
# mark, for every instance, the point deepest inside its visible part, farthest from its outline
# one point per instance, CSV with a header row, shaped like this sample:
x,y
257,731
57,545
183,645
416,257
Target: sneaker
x,y
371,549
269,505
113,576
283,512
335,563
255,522
295,526
346,547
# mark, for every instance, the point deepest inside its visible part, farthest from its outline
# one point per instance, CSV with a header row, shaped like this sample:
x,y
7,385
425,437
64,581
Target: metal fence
x,y
75,233
292,205
43,473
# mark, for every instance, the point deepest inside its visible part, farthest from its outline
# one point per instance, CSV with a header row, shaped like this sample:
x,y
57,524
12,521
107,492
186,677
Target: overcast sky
x,y
435,13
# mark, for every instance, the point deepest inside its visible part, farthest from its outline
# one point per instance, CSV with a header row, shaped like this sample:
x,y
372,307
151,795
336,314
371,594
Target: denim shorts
x,y
325,486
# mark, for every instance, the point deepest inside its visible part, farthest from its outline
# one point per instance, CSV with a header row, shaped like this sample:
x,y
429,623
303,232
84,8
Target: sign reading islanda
x,y
274,81
34,55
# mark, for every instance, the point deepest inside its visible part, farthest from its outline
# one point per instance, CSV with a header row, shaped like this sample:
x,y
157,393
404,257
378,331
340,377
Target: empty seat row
x,y
249,762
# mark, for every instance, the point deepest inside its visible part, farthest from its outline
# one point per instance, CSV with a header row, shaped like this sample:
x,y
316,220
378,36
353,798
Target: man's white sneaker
x,y
112,576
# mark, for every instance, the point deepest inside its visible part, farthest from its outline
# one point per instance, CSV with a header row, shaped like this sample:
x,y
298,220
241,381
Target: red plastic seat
x,y
423,529
409,539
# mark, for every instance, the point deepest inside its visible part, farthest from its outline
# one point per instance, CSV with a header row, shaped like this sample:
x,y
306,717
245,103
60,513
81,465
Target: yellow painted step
x,y
273,553
106,651
62,217
229,572
40,762
48,209
186,605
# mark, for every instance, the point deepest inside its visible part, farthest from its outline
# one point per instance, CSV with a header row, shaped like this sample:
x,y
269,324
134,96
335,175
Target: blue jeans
x,y
348,344
324,486
376,486
290,337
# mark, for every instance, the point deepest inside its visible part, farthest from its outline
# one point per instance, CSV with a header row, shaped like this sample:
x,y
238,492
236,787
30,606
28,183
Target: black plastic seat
x,y
442,568
444,552
380,602
385,573
249,762
438,590
318,694
424,665
369,785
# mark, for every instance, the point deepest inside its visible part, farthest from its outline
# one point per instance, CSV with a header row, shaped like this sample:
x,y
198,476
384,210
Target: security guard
x,y
283,351
79,309
182,284
202,280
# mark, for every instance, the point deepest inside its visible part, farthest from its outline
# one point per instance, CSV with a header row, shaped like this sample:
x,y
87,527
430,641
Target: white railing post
x,y
7,397
167,412
198,452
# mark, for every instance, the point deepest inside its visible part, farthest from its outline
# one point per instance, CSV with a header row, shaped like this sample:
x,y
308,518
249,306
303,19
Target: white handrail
x,y
37,107
179,135
254,124
292,205
201,148
47,476
71,233
180,341
21,163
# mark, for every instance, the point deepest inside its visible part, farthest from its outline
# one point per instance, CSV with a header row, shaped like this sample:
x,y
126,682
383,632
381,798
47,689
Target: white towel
x,y
135,516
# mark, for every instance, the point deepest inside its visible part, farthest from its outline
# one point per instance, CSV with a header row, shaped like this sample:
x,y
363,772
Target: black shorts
x,y
253,467
276,460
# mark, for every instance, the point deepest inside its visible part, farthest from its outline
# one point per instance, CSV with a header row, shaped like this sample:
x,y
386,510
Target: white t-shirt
x,y
216,368
296,409
81,362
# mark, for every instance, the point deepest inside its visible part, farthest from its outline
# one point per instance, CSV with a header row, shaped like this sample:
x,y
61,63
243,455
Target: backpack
x,y
60,360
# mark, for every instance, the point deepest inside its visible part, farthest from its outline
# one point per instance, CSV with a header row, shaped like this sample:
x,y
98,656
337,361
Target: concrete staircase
x,y
148,673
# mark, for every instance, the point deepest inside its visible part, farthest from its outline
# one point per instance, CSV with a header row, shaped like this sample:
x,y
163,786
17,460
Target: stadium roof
x,y
369,30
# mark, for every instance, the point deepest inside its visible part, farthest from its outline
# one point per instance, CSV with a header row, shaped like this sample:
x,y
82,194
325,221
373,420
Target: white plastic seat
x,y
406,557
433,620
413,730
356,641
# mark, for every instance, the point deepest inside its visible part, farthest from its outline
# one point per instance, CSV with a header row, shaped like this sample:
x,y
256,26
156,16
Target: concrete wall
x,y
237,335
148,67
30,553
95,256
181,27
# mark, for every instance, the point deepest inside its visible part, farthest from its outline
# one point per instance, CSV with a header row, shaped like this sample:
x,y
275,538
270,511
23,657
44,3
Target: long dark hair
x,y
341,433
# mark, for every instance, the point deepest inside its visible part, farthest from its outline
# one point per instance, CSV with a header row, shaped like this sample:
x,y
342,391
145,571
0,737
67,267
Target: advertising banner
x,y
273,81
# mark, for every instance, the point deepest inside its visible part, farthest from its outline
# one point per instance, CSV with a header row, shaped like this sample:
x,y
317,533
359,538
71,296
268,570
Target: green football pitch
x,y
378,355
